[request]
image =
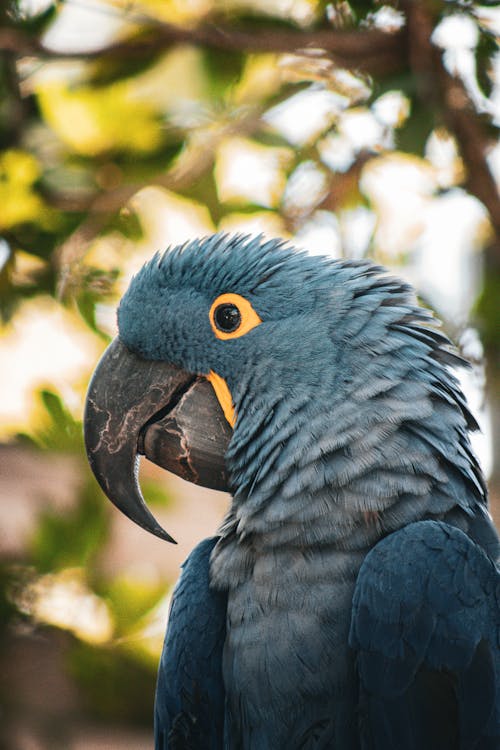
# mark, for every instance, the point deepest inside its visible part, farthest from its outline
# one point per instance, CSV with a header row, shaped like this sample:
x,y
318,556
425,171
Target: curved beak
x,y
173,417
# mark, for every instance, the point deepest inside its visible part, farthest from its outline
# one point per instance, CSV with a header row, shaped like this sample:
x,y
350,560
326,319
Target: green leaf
x,y
73,538
108,70
488,312
86,307
115,686
485,51
131,599
34,23
9,578
155,493
93,286
224,68
61,432
413,136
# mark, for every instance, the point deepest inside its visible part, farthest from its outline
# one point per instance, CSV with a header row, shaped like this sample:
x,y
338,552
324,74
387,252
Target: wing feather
x,y
189,706
426,629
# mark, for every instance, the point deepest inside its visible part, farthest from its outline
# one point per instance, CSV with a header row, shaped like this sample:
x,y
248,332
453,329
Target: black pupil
x,y
227,317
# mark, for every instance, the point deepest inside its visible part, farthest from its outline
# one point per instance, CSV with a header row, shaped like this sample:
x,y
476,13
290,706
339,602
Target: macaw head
x,y
243,364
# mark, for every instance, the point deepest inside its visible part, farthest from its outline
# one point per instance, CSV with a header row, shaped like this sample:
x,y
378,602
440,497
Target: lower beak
x,y
173,417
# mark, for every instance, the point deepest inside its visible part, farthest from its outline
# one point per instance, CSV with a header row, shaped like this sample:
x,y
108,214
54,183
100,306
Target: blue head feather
x,y
346,405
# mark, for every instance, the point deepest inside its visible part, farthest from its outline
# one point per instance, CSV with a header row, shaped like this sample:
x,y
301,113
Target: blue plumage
x,y
189,710
426,603
350,451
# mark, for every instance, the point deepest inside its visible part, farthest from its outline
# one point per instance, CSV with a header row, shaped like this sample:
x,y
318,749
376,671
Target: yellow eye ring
x,y
231,316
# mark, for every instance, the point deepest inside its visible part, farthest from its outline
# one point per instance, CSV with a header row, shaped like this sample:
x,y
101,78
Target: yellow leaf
x,y
19,203
92,121
19,167
260,78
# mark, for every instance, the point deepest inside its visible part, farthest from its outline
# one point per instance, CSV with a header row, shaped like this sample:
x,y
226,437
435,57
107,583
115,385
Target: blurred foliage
x,y
129,126
61,432
115,685
72,539
488,311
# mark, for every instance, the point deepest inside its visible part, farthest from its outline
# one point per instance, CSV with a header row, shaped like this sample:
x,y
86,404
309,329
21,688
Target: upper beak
x,y
139,406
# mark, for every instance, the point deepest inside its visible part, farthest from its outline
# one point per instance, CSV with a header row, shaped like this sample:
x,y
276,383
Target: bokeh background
x,y
351,129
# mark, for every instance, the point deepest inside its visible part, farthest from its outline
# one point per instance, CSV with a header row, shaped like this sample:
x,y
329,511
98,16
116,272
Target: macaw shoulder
x,y
189,705
426,628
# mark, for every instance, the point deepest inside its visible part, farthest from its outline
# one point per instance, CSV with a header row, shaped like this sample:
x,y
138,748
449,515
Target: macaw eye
x,y
227,318
231,316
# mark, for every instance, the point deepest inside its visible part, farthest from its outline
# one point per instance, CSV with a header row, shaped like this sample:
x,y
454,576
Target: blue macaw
x,y
351,597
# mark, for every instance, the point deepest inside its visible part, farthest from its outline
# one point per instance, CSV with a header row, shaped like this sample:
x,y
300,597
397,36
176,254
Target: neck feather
x,y
382,442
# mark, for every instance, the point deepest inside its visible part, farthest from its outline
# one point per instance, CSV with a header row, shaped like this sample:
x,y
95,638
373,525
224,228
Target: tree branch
x,y
372,51
449,94
14,105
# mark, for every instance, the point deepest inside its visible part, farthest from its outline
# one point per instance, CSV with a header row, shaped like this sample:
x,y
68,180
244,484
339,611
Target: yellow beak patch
x,y
224,397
